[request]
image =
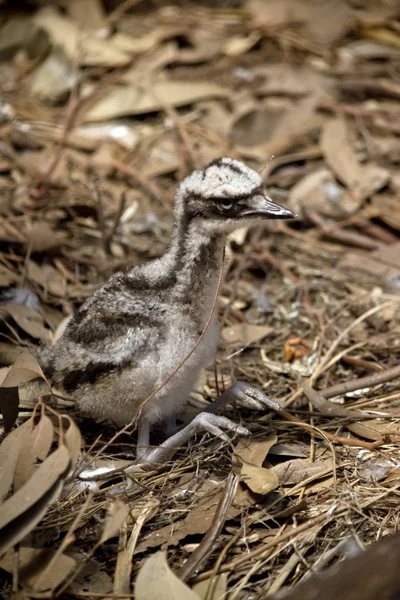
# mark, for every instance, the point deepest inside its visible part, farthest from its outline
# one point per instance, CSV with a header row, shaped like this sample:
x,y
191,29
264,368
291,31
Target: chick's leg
x,y
143,439
204,421
207,420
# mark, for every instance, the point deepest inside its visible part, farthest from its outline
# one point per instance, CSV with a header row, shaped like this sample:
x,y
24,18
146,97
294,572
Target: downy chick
x,y
130,336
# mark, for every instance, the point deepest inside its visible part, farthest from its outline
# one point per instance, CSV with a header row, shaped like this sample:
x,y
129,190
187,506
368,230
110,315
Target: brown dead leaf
x,y
20,34
21,512
90,50
254,477
116,517
32,562
54,78
92,578
295,471
23,370
9,452
42,237
37,444
156,581
47,277
198,520
7,277
28,320
298,122
361,180
319,191
133,100
371,429
321,23
259,480
72,439
219,585
240,44
244,334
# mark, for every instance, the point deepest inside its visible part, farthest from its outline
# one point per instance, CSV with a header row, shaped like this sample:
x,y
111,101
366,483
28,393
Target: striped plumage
x,y
127,338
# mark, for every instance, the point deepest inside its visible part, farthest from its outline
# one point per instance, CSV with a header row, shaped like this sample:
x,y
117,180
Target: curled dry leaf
x,y
259,480
21,512
156,581
253,476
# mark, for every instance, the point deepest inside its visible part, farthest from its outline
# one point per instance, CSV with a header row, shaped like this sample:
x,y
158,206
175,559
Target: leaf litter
x,y
100,119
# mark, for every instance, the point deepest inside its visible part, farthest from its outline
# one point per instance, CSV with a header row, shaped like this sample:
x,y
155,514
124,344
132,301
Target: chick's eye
x,y
225,204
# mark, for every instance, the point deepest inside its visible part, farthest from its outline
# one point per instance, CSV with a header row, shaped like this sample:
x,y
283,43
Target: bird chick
x,y
130,336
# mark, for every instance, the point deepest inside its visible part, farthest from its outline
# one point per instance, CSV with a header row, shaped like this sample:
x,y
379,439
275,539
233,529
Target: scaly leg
x,y
250,396
143,438
204,421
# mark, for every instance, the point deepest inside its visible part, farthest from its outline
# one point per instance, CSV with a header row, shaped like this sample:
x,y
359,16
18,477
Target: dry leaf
x,y
219,585
48,277
42,236
55,77
292,472
37,444
21,512
29,321
361,180
245,334
156,581
23,370
116,517
239,44
88,49
133,100
72,439
259,480
198,520
31,563
319,191
9,452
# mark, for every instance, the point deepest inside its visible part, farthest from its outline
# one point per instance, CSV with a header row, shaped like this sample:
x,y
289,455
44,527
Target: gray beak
x,y
262,206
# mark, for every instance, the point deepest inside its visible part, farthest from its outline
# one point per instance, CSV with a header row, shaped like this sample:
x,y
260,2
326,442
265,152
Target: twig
x,y
206,545
362,382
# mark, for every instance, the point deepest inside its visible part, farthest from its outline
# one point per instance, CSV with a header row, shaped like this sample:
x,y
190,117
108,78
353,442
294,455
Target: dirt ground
x,y
105,106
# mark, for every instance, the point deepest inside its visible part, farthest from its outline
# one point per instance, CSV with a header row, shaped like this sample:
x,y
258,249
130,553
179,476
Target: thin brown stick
x,y
362,382
205,547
